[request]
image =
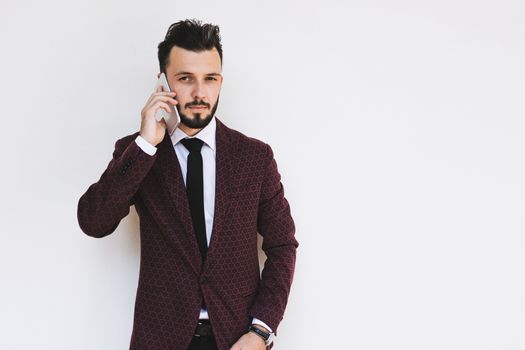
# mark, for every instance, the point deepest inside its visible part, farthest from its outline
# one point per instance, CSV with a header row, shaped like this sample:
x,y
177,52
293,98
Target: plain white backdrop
x,y
398,128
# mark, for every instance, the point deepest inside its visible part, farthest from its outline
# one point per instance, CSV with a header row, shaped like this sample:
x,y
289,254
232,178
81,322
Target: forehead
x,y
202,62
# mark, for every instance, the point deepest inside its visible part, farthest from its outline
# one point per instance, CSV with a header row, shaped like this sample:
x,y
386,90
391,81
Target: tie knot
x,y
192,144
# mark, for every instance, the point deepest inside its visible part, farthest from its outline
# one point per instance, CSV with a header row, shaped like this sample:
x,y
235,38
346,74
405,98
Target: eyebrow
x,y
190,73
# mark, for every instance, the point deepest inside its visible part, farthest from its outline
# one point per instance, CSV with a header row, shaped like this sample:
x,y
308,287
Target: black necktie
x,y
195,192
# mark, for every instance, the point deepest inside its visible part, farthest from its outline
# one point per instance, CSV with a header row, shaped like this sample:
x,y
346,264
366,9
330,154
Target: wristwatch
x,y
267,337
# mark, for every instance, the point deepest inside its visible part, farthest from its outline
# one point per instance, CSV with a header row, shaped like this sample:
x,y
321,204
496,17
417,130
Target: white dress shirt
x,y
208,151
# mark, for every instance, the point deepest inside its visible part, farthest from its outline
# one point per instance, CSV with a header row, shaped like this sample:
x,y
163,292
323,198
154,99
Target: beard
x,y
199,120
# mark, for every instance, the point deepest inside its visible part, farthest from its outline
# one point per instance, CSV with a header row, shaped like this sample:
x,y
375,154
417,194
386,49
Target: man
x,y
202,192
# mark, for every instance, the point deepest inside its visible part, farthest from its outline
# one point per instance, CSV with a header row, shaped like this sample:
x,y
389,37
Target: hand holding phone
x,y
151,128
161,113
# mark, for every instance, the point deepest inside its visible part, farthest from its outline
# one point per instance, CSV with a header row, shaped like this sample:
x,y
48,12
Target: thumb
x,y
163,122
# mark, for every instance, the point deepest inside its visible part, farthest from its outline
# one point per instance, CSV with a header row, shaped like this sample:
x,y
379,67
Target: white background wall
x,y
398,128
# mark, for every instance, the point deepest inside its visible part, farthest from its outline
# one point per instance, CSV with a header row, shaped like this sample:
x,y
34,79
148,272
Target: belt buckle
x,y
199,323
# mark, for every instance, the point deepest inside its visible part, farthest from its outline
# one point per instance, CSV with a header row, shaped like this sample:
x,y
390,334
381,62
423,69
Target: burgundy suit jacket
x,y
172,278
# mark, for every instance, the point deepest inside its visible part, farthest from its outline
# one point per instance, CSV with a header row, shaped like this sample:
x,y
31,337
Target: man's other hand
x,y
249,341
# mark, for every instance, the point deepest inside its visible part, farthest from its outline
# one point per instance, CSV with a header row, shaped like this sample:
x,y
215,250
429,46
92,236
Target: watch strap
x,y
261,333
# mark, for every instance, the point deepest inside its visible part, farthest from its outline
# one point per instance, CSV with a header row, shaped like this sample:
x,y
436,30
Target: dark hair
x,y
189,34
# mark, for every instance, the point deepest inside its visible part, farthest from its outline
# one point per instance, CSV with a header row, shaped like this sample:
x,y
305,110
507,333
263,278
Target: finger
x,y
165,99
157,91
160,91
152,95
156,105
155,99
162,123
160,104
164,93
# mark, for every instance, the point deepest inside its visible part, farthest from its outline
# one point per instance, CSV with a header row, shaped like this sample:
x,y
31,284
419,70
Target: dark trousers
x,y
203,342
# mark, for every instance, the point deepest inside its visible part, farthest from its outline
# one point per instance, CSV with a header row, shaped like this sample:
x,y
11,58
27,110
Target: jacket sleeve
x,y
275,224
107,202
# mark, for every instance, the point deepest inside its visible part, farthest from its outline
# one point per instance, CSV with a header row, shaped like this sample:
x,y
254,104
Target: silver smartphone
x,y
172,117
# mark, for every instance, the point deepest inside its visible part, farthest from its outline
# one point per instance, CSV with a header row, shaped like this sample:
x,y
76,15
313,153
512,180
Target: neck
x,y
188,131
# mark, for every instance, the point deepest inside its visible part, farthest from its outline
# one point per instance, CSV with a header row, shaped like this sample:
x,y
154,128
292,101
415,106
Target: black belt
x,y
203,329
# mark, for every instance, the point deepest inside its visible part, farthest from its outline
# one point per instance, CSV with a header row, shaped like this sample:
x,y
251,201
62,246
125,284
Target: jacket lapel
x,y
167,169
223,179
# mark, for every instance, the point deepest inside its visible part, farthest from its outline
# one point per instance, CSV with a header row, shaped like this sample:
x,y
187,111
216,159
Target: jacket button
x,y
204,280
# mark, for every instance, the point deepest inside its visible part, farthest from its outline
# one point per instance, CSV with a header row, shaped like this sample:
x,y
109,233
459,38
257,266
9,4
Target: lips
x,y
200,107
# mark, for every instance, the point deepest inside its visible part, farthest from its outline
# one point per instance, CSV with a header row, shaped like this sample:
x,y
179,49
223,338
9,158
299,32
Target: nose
x,y
198,92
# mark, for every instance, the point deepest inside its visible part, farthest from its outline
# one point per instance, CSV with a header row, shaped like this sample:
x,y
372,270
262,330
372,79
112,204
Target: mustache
x,y
197,104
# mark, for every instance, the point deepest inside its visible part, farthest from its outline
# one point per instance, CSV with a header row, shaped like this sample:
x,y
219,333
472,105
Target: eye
x,y
183,78
212,78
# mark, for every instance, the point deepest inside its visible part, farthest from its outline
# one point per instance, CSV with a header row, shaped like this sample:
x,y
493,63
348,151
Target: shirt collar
x,y
206,134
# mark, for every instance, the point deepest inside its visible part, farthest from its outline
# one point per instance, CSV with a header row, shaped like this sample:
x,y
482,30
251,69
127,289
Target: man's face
x,y
197,80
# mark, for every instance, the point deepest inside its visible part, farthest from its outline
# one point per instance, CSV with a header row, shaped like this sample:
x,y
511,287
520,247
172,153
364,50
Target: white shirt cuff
x,y
145,145
259,322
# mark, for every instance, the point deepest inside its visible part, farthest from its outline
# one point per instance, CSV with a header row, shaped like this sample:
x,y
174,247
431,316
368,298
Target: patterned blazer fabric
x,y
172,278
